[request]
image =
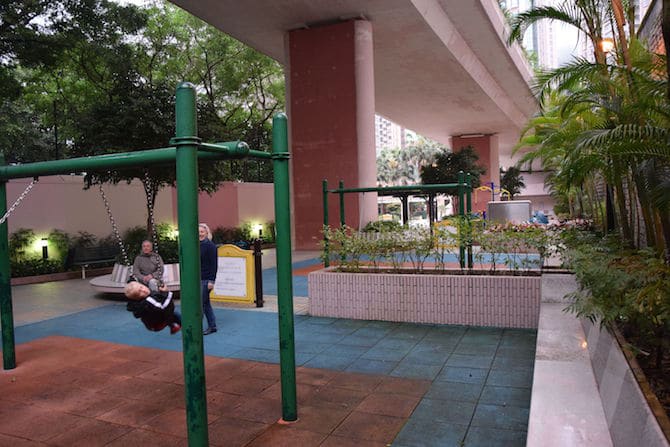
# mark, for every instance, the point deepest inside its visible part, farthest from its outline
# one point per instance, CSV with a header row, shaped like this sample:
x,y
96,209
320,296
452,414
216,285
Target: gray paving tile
x,y
424,356
469,361
491,437
481,350
396,343
328,361
462,392
422,433
521,378
413,370
372,366
496,416
506,396
446,411
388,354
516,352
346,350
463,375
359,340
512,363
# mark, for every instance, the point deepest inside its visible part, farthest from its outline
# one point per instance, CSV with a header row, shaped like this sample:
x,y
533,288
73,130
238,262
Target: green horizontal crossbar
x,y
165,155
403,188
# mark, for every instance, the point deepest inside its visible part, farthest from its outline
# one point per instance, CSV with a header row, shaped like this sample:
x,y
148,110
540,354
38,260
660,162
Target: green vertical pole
x,y
468,207
342,222
6,313
186,141
461,214
326,251
280,156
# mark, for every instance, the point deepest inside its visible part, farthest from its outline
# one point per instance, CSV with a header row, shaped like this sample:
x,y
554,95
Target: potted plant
x,y
419,275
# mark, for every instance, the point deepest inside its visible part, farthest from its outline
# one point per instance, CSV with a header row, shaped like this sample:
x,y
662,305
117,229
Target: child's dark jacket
x,y
156,311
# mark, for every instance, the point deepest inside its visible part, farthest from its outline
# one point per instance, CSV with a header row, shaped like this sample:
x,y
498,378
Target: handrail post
x,y
189,265
326,251
461,214
6,312
468,202
341,191
280,155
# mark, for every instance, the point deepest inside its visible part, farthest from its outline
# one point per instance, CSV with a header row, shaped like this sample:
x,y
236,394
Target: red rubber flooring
x,y
74,392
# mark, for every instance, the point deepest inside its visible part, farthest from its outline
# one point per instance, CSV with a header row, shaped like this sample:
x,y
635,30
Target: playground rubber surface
x,y
97,377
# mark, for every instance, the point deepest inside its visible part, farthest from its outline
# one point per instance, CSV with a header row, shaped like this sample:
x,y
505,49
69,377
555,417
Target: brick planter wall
x,y
477,300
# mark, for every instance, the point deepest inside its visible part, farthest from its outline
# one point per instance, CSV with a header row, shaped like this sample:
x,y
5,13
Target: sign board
x,y
235,280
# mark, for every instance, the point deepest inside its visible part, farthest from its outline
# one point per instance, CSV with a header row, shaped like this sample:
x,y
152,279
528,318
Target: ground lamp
x,y
44,243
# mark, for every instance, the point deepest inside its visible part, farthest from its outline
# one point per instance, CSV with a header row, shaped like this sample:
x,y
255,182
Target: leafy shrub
x,y
396,246
35,266
613,290
19,241
227,235
380,226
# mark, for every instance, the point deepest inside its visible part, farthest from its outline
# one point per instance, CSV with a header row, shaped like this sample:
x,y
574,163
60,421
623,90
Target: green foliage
x,y
102,77
19,242
512,181
613,289
380,226
394,247
447,165
227,235
397,166
35,266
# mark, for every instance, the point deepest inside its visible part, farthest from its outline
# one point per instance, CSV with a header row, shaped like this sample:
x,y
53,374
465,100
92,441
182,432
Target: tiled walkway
x,y
476,380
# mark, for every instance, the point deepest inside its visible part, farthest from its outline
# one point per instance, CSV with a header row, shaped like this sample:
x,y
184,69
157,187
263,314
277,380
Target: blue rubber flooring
x,y
481,377
299,281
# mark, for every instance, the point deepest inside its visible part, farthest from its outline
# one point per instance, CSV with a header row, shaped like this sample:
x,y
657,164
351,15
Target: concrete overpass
x,y
440,67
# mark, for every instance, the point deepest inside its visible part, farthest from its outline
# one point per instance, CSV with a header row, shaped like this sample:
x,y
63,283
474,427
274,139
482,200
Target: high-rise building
x,y
388,134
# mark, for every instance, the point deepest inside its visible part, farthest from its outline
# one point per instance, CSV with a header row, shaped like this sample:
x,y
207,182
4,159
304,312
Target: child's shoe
x,y
174,328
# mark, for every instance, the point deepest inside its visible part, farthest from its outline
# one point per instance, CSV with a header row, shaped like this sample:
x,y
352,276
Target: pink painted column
x,y
330,91
486,146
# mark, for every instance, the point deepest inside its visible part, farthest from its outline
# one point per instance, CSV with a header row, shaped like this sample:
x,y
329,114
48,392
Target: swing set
x,y
185,151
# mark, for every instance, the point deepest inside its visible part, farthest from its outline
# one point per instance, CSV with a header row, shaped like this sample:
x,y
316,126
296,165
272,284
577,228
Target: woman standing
x,y
208,267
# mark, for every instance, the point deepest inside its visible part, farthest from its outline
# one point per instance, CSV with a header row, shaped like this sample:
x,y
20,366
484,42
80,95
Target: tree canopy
x,y
447,165
90,77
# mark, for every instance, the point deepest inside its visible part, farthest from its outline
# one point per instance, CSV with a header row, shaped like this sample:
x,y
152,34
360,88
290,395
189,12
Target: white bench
x,y
116,281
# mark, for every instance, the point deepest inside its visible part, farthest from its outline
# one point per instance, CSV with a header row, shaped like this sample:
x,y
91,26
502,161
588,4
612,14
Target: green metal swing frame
x,y
185,152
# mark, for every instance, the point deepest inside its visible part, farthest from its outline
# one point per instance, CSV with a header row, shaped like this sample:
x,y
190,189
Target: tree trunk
x,y
623,212
665,26
665,224
647,213
620,20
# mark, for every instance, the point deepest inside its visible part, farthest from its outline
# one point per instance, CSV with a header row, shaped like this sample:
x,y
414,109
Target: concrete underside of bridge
x,y
439,67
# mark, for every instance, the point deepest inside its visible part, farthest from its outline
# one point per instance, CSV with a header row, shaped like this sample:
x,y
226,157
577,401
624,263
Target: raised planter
x,y
478,300
633,413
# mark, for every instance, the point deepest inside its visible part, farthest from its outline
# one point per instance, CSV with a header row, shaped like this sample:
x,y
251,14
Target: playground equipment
x,y
463,190
493,190
185,152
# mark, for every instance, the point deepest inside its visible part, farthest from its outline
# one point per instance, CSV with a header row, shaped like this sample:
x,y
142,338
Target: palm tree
x,y
512,181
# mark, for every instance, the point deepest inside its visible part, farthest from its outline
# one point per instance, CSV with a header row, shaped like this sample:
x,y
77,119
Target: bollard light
x,y
44,243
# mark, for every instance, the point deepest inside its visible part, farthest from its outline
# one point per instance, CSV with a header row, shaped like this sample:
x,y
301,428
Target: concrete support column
x,y
330,91
486,146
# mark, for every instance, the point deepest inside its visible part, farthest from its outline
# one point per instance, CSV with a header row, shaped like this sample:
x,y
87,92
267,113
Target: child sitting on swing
x,y
154,308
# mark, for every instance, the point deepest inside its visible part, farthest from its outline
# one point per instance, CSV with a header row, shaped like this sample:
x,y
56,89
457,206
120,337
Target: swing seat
x,y
116,281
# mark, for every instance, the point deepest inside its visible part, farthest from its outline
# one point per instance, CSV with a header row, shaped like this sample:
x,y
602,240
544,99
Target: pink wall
x,y
61,202
233,204
486,147
330,91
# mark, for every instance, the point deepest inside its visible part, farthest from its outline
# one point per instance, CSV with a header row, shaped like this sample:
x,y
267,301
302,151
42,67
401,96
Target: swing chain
x,y
149,190
114,227
18,201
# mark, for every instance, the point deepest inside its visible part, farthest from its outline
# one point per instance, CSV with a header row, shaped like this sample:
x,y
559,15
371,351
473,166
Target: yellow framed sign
x,y
235,282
